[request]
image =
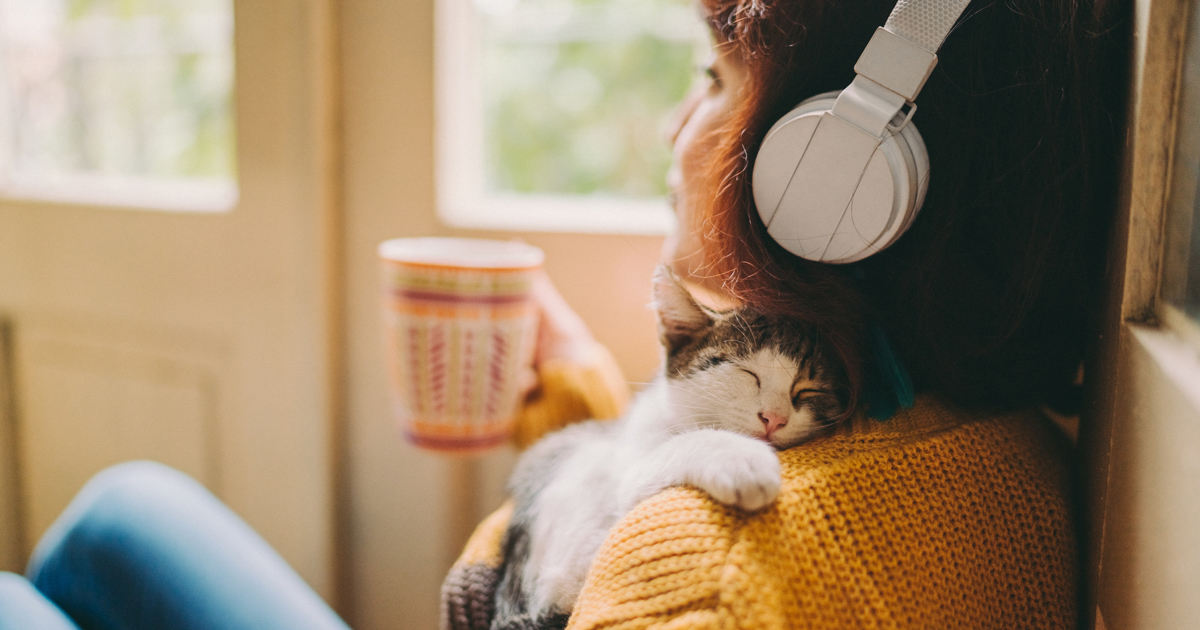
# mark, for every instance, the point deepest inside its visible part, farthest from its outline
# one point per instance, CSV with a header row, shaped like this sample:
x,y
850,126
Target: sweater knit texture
x,y
936,518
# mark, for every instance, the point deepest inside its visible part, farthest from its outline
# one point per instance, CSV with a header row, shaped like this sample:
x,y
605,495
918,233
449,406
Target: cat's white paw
x,y
734,469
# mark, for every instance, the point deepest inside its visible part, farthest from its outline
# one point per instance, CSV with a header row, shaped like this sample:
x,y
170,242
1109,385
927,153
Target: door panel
x,y
11,556
95,399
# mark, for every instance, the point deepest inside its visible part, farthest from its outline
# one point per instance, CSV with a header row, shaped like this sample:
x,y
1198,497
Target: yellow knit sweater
x,y
936,518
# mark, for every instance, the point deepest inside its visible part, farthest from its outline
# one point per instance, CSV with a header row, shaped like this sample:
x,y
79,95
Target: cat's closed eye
x,y
757,381
802,395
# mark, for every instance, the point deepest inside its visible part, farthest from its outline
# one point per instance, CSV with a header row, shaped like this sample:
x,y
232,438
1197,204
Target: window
x,y
551,112
1179,304
118,102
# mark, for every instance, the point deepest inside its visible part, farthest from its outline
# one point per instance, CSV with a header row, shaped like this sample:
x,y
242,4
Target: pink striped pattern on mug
x,y
457,342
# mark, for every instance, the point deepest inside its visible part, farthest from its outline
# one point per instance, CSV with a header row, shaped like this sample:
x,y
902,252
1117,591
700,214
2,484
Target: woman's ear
x,y
680,319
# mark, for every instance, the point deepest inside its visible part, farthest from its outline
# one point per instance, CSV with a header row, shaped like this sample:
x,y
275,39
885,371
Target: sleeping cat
x,y
737,386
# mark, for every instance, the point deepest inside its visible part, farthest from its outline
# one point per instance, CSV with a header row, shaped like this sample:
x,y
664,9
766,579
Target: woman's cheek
x,y
694,143
696,139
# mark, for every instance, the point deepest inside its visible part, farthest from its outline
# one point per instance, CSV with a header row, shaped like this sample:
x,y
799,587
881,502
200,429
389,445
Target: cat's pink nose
x,y
772,421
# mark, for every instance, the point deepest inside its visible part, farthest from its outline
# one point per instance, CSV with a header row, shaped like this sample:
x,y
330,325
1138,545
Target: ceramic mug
x,y
460,326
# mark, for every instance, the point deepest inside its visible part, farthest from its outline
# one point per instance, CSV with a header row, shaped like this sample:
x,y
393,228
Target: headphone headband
x,y
925,23
841,177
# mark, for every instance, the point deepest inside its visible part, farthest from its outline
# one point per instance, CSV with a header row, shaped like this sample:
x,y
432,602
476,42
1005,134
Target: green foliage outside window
x,y
581,108
133,88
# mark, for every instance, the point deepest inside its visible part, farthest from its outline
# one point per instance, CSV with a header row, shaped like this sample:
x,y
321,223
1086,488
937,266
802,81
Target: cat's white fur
x,y
702,431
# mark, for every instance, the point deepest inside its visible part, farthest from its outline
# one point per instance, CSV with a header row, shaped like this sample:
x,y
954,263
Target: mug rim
x,y
520,257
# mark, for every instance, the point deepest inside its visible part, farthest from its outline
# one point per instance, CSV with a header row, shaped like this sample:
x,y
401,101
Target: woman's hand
x,y
572,377
562,333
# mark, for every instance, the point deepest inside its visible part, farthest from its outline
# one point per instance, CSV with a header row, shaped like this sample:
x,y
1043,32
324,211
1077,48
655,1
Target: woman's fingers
x,y
528,381
562,333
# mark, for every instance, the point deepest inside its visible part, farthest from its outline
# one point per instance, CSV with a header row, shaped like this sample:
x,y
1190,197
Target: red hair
x,y
989,295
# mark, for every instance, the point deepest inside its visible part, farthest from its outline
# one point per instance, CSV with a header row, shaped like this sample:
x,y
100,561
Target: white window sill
x,y
164,194
1176,356
572,214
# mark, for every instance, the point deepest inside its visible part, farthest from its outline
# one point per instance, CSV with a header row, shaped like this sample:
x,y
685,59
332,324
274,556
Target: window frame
x,y
188,195
201,195
1140,433
459,154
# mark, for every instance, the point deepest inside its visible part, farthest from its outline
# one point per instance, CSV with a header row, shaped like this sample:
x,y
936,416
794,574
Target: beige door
x,y
202,340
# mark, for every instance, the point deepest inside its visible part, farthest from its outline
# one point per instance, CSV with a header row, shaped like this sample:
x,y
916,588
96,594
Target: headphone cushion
x,y
877,186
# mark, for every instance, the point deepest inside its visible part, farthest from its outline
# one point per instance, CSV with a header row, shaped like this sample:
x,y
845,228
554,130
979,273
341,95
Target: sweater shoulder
x,y
935,518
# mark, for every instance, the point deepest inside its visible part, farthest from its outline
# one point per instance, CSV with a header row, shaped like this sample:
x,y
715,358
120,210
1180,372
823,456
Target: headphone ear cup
x,y
917,156
882,190
781,150
910,157
920,155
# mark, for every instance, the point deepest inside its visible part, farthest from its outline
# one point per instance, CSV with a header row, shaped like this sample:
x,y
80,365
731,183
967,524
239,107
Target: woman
x,y
953,513
956,512
988,295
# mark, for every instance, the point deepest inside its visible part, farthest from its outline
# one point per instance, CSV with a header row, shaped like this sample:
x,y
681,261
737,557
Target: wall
x,y
408,511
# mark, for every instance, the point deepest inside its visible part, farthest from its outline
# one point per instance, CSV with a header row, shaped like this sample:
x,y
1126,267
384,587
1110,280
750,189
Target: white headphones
x,y
843,175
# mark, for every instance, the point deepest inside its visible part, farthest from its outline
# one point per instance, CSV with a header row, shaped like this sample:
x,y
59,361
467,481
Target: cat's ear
x,y
680,319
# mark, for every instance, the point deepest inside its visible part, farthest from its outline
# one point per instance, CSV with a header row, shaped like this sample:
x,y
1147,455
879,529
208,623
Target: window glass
x,y
103,92
576,93
1181,260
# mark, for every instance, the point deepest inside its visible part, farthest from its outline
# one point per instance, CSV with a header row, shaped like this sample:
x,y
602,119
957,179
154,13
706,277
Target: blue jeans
x,y
144,546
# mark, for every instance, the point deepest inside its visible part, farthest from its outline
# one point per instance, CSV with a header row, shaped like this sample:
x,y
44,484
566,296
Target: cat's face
x,y
741,371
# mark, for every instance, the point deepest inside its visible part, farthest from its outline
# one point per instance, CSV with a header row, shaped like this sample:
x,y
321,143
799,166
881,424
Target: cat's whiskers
x,y
691,406
689,378
699,391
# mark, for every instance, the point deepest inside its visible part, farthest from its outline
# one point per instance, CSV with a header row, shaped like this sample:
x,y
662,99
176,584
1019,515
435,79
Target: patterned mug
x,y
460,326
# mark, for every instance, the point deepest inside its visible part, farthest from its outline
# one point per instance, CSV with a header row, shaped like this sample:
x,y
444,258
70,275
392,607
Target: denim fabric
x,y
144,546
23,608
